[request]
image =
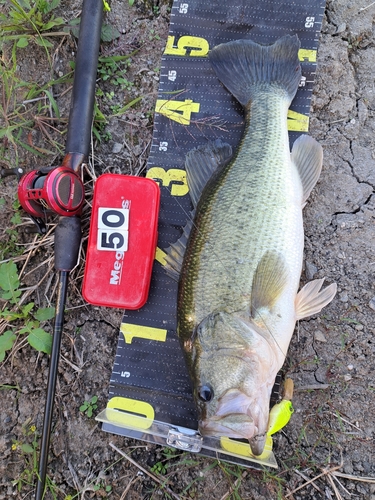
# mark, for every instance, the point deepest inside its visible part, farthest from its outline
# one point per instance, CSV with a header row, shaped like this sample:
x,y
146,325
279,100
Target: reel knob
x,y
51,190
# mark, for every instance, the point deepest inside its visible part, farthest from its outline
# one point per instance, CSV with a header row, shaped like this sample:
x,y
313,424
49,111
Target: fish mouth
x,y
238,426
238,416
232,417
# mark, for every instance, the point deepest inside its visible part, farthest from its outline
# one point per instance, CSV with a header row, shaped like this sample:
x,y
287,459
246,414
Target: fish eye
x,y
205,393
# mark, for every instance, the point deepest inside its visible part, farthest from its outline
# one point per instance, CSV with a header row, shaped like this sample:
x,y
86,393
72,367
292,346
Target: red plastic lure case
x,y
122,241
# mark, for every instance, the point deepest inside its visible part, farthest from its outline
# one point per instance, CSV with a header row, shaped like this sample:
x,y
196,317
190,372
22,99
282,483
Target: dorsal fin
x,y
307,155
202,162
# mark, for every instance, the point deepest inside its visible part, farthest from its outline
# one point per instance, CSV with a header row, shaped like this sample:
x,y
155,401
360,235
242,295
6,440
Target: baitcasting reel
x,y
50,190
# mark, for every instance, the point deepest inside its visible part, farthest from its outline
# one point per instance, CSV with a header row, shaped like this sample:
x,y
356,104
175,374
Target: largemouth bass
x,y
238,301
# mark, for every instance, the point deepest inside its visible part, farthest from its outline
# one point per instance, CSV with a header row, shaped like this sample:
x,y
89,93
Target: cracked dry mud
x,y
331,357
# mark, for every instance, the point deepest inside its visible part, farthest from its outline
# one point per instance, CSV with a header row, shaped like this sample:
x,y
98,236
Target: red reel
x,y
57,190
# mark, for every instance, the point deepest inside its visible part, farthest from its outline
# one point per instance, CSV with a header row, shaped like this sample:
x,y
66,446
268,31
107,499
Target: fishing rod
x,y
60,191
70,197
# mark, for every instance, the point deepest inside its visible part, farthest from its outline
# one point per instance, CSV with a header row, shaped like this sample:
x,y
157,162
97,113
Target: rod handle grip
x,y
68,236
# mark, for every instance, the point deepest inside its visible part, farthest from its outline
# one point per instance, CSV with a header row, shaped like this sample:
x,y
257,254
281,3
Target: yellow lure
x,y
279,416
107,8
281,412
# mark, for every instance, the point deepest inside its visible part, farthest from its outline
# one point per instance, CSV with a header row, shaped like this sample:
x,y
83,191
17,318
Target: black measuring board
x,y
149,379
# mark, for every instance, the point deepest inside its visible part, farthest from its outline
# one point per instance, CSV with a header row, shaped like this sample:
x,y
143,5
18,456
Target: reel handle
x,y
8,172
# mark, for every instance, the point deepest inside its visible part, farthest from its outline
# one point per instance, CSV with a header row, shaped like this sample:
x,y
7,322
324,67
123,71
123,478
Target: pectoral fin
x,y
269,281
307,155
311,300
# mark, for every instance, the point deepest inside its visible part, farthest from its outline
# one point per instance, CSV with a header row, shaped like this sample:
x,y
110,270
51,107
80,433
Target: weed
x,y
89,406
106,6
161,467
10,291
97,485
107,489
28,21
113,69
99,123
9,246
23,107
277,482
153,36
8,387
233,474
108,32
27,448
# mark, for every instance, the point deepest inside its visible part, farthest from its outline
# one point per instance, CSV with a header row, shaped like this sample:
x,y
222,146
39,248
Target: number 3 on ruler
x,y
174,177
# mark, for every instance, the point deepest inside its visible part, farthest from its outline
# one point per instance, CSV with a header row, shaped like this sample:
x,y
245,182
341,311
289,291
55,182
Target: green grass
x,y
26,107
30,21
27,448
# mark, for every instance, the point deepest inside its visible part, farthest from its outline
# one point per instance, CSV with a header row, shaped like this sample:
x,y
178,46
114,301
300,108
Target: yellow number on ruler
x,y
244,448
135,408
198,46
307,55
297,122
179,111
174,177
143,332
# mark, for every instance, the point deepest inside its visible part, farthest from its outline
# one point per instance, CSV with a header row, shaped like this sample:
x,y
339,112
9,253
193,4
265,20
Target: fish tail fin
x,y
245,67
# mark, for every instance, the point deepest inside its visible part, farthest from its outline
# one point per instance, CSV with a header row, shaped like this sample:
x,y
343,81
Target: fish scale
x,y
248,211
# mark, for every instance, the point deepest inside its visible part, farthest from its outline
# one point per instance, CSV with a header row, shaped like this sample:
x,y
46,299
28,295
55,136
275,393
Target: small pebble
x,y
347,377
310,270
117,147
350,367
319,336
340,29
344,296
371,304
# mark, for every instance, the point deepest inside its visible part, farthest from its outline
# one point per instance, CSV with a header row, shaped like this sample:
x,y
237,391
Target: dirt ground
x,y
331,357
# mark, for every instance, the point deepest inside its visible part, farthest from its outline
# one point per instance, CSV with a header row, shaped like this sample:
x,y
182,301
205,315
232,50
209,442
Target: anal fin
x,y
311,299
